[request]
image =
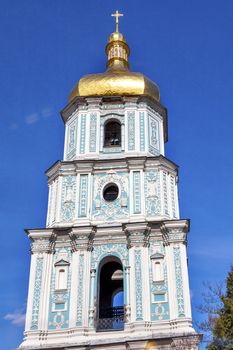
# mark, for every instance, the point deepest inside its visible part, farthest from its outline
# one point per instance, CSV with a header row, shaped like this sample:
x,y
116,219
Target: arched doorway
x,y
111,295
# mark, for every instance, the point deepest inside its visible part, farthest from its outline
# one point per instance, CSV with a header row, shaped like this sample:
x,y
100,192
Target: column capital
x,y
82,238
43,245
137,234
175,231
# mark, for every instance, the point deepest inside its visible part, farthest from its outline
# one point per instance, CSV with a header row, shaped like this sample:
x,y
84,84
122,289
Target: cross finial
x,y
117,15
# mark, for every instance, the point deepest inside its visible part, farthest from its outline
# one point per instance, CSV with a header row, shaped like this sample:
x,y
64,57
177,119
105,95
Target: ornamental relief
x,y
153,125
109,249
68,198
152,193
110,211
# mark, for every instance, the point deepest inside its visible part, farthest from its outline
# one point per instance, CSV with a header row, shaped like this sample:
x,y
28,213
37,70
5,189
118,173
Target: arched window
x,y
110,308
61,279
157,260
61,273
158,271
112,134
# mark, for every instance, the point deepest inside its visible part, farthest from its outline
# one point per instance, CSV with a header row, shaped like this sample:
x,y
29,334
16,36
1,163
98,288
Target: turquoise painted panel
x,y
59,318
159,297
153,135
93,132
152,193
131,131
83,133
59,306
172,184
68,198
37,293
160,311
138,285
71,142
142,131
83,196
136,192
165,194
179,281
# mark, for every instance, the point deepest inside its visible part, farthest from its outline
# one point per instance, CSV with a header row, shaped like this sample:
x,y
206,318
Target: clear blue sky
x,y
46,46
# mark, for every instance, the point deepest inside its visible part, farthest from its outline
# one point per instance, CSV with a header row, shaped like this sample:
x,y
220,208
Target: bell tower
x,y
109,270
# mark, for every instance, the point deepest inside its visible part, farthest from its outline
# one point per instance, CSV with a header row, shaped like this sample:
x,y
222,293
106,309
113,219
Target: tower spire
x,y
117,14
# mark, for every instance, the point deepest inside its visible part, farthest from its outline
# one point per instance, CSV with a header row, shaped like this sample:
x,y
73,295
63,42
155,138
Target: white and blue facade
x,y
111,209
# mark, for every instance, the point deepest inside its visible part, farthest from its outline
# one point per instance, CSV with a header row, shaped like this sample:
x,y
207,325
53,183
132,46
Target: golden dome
x,y
117,80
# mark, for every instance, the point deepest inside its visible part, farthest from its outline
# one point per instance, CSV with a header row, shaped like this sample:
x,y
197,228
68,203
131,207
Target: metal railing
x,y
111,318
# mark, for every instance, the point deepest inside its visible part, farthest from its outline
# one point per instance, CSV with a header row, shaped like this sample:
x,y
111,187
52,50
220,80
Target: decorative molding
x,y
93,132
37,293
179,281
68,198
103,250
71,144
138,285
79,320
131,131
136,192
172,187
83,196
175,231
152,193
82,240
142,131
83,133
165,194
110,211
153,135
43,245
190,342
62,262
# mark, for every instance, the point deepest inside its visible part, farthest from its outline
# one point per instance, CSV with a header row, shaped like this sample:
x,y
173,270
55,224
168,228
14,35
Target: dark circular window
x,y
111,192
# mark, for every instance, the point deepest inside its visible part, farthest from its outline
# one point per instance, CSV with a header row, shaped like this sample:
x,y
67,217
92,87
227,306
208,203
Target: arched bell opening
x,y
111,295
112,134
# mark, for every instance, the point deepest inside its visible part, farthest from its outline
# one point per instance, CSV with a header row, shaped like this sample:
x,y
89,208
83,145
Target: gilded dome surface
x,y
118,79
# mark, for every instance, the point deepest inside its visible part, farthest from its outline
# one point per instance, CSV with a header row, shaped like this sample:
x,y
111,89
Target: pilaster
x,y
137,236
175,237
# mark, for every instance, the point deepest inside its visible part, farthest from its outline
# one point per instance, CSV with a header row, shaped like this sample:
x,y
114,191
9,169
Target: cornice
x,y
73,167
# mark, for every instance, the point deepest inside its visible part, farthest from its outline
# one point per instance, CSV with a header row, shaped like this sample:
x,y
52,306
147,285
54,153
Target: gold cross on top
x,y
117,15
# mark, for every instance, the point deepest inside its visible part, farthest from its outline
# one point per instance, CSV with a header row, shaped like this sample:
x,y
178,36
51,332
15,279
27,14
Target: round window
x,y
111,192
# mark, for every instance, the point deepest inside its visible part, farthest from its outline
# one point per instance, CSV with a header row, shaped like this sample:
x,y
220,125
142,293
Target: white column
x,y
132,284
45,290
186,291
58,200
86,288
92,309
127,302
145,283
74,288
171,281
30,292
101,137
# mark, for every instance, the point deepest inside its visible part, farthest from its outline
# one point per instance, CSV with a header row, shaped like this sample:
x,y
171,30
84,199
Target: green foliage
x,y
222,324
